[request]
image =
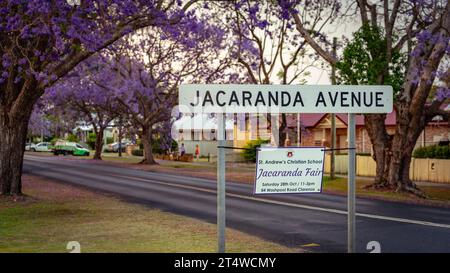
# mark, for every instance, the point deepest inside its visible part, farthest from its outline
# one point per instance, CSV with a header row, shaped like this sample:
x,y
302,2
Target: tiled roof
x,y
311,120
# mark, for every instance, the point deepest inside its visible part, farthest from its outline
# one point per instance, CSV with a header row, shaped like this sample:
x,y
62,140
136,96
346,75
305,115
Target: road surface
x,y
317,220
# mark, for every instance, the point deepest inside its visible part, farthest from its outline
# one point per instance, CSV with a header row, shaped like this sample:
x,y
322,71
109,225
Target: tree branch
x,y
305,34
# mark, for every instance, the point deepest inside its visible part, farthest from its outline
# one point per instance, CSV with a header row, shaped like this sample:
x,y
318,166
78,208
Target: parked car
x,y
41,147
29,146
114,147
69,148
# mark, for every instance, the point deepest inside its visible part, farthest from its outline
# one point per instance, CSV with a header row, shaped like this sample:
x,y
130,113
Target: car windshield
x,y
79,146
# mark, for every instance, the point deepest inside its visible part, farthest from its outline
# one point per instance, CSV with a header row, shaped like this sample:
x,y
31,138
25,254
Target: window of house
x,y
318,137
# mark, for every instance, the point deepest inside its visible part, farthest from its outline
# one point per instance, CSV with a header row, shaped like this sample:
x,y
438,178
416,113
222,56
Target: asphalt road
x,y
291,220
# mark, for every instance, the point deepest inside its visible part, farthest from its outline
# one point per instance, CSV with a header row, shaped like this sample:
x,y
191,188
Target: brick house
x,y
317,130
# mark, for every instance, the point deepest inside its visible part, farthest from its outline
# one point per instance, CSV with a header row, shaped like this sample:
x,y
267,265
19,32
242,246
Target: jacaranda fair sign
x,y
289,170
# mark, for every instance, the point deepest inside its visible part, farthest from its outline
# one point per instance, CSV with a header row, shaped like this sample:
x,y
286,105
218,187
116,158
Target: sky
x,y
338,29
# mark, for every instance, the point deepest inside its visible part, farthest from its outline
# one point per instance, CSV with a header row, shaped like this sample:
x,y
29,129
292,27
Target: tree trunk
x,y
282,132
408,129
381,143
98,144
146,138
13,133
393,154
120,138
399,171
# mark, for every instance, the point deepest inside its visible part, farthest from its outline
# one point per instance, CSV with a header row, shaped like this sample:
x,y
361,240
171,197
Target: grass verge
x,y
436,195
53,214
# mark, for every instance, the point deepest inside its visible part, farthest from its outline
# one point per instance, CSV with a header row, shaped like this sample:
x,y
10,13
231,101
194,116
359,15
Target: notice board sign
x,y
289,170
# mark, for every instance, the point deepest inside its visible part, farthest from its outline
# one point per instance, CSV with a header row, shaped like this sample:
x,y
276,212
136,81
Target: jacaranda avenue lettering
x,y
235,98
283,98
246,98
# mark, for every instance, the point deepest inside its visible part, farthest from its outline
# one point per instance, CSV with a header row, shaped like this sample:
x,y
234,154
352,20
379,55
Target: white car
x,y
28,146
114,147
40,147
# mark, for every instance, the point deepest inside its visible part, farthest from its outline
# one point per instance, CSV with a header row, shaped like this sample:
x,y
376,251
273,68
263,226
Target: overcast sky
x,y
338,29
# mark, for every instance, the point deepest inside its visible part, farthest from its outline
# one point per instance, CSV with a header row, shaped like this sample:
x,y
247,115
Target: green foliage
x,y
109,140
91,140
174,145
138,152
156,147
72,138
159,148
435,151
53,140
250,153
365,59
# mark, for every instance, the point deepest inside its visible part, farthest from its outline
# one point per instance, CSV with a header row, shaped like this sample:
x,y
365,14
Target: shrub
x,y
249,153
159,148
109,140
72,138
91,140
156,147
140,144
434,151
138,152
53,140
174,145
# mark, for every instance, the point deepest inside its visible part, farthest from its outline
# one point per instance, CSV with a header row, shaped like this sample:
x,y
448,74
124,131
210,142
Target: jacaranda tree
x,y
388,29
42,41
145,76
79,93
264,46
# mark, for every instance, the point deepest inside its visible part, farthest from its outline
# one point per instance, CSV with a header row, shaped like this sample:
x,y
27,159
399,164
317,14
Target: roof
x,y
311,120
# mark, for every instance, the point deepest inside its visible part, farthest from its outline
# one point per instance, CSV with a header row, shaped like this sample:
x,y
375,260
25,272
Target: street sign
x,y
289,170
257,98
252,98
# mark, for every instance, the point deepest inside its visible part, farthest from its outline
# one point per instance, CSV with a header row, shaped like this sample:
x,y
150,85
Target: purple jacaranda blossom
x,y
443,93
68,27
138,77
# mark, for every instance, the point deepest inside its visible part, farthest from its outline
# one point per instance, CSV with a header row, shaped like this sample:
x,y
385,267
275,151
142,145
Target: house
x,y
201,130
83,129
315,130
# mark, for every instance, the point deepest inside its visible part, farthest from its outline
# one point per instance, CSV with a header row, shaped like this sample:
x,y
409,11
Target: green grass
x,y
106,224
339,185
183,165
114,157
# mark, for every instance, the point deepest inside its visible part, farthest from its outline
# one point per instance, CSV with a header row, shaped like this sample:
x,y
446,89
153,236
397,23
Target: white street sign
x,y
253,98
289,170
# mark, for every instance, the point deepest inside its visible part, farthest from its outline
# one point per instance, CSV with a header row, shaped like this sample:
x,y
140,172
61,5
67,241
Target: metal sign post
x,y
351,184
221,183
